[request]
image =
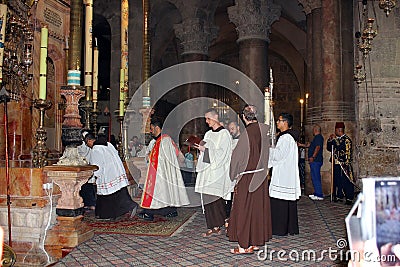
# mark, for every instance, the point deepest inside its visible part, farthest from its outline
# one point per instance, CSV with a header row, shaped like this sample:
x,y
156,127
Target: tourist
x,y
315,159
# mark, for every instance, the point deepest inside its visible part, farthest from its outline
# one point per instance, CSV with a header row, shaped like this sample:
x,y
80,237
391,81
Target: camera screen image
x,y
387,204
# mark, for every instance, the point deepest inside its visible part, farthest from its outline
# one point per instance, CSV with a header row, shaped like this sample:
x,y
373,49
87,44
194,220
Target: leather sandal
x,y
240,250
210,232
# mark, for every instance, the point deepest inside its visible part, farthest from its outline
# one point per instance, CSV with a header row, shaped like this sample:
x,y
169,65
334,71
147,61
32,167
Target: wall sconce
x,y
387,5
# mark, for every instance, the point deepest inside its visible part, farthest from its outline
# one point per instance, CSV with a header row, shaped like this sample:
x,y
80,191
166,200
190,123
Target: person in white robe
x,y
284,189
113,199
213,181
164,189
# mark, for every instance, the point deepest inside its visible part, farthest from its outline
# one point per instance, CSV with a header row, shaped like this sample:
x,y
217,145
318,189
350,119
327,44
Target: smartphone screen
x,y
387,205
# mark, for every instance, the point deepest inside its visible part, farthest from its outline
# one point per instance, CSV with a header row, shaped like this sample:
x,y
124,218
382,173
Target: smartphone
x,y
387,211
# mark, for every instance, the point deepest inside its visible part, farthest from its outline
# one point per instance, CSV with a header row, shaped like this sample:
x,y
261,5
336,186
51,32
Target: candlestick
x,y
95,73
40,151
3,19
120,147
121,92
44,35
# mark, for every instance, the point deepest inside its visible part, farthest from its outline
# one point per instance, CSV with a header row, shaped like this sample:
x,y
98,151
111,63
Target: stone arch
x,y
102,34
164,49
287,90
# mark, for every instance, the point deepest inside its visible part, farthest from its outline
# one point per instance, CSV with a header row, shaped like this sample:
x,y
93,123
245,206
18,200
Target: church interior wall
x,y
378,142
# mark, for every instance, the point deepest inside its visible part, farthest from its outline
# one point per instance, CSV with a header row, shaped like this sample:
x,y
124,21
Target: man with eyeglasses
x,y
285,187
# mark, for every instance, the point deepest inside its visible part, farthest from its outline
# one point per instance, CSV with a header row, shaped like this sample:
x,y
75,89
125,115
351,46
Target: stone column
x,y
332,99
253,20
69,230
195,35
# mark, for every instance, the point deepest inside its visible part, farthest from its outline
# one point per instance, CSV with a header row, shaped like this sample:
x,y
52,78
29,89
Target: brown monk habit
x,y
250,219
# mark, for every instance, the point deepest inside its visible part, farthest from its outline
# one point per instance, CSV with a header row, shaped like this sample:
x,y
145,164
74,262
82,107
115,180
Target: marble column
x,y
331,52
329,27
195,35
253,20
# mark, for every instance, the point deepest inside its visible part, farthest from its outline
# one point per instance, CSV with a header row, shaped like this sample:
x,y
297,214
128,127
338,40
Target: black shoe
x,y
146,217
171,214
348,202
335,199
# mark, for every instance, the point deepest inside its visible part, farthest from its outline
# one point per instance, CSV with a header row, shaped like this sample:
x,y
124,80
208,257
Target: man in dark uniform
x,y
342,171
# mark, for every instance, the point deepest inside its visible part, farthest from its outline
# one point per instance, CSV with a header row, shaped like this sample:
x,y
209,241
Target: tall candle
x,y
44,36
66,42
306,109
267,112
3,19
124,43
301,111
121,92
88,48
95,73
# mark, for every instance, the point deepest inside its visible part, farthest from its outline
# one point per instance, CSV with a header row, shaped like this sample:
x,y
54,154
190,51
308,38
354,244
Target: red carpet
x,y
159,227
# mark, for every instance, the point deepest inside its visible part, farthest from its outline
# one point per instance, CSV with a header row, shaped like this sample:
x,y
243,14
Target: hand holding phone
x,y
1,244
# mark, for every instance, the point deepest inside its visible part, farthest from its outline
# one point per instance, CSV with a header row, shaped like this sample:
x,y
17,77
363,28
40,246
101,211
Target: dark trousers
x,y
88,194
215,213
341,184
284,217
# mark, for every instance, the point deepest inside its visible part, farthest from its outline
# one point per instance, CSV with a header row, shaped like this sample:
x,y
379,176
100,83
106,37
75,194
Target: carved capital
x,y
195,35
310,5
253,19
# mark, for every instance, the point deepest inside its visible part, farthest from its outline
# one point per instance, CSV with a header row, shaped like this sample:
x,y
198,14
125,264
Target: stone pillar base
x,y
67,233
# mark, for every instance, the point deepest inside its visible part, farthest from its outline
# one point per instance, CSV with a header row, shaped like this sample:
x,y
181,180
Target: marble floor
x,y
322,228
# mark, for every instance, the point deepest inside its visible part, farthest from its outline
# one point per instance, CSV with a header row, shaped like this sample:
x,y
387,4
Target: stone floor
x,y
321,223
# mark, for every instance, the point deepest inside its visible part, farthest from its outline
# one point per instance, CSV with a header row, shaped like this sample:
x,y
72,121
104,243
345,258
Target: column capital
x,y
253,19
195,35
310,5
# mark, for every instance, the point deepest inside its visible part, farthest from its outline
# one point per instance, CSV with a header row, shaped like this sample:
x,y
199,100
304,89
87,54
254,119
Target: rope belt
x,y
247,172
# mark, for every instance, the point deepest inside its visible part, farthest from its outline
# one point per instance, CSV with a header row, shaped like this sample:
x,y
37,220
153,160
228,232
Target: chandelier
x,y
359,75
367,36
18,55
387,5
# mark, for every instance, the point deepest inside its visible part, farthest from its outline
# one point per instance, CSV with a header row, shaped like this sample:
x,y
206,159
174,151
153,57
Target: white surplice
x,y
213,178
111,175
285,180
